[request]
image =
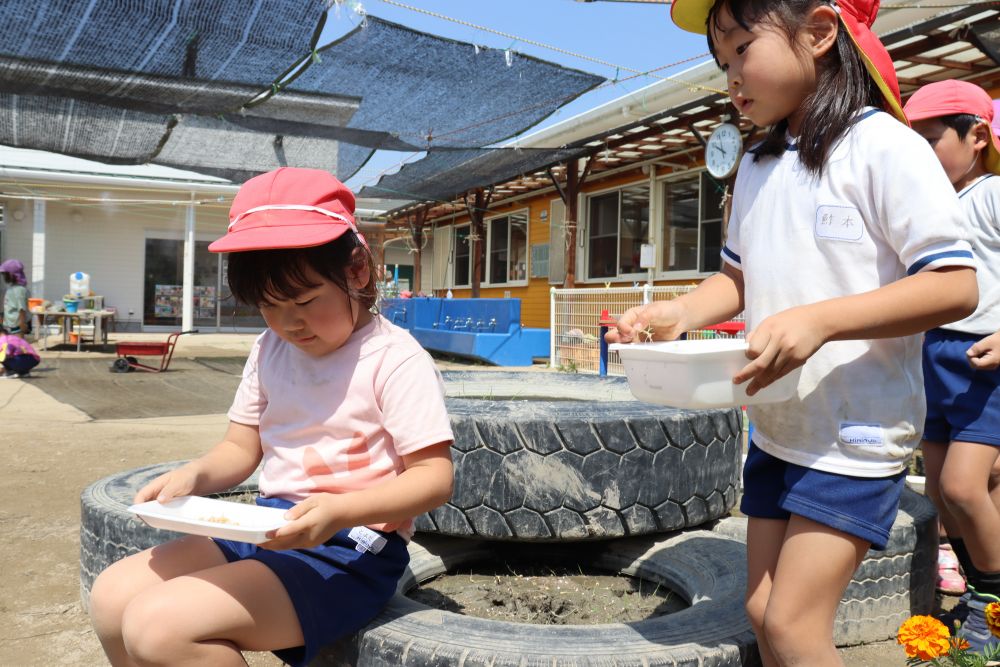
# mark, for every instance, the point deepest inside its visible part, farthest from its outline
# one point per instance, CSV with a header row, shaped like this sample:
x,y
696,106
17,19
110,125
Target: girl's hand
x,y
310,523
984,355
169,485
660,320
781,343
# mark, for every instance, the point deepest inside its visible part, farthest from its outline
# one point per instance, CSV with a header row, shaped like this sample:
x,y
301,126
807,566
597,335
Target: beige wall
x,y
105,240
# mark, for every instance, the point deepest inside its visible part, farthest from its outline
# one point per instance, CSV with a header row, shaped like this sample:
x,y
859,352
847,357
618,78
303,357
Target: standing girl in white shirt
x,y
346,414
844,243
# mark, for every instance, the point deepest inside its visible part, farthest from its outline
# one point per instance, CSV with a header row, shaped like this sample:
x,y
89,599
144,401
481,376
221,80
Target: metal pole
x,y
552,327
187,307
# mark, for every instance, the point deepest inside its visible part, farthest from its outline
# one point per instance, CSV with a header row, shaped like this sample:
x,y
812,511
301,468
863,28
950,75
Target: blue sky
x,y
632,35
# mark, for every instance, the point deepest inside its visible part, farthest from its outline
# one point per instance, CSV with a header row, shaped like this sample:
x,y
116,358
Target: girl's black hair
x,y
843,87
256,276
962,123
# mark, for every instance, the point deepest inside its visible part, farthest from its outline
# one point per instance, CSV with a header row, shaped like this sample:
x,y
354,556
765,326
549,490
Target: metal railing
x,y
574,322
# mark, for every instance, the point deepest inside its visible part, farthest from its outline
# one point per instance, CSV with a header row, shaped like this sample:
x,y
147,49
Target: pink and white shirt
x,y
341,422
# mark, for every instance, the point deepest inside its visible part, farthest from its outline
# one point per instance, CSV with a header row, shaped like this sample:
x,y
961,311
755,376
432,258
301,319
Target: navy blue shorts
x,y
318,580
962,403
864,507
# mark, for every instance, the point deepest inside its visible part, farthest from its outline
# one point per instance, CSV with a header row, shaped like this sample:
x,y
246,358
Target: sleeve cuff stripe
x,y
937,257
731,255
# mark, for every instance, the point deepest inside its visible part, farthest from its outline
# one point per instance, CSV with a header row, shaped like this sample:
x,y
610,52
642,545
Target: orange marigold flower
x,y
993,618
960,643
924,637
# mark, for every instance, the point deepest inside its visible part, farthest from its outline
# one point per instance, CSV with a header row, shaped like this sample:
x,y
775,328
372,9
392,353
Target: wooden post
x,y
417,236
569,195
477,211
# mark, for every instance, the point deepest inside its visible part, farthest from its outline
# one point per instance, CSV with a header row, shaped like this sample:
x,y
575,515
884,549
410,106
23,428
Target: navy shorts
x,y
864,507
962,403
320,579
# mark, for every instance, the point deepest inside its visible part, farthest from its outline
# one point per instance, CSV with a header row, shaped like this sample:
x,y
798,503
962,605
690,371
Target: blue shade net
x,y
189,84
433,92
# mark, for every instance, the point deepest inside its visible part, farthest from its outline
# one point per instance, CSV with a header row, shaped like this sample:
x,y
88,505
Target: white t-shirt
x,y
981,202
882,209
343,421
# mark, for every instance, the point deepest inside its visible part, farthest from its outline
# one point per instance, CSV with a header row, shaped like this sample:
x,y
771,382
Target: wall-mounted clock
x,y
723,150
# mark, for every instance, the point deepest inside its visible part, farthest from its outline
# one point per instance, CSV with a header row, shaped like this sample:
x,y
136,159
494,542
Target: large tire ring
x,y
705,569
596,466
109,532
889,586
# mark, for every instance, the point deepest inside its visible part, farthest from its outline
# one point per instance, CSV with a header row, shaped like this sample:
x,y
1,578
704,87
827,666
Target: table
x,y
68,321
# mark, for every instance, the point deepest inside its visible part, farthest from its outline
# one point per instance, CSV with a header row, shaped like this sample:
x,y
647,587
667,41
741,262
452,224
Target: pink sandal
x,y
949,580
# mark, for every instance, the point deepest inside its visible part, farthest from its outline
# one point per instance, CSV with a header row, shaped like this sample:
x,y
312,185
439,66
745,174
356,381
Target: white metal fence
x,y
575,315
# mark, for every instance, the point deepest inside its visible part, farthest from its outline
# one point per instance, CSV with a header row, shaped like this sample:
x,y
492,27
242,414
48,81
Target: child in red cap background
x,y
346,413
839,263
961,441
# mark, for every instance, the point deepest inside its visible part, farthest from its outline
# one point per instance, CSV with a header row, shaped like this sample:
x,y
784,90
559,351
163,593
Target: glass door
x,y
163,289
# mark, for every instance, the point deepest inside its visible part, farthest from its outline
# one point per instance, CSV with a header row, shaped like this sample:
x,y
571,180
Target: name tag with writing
x,y
861,435
367,539
840,223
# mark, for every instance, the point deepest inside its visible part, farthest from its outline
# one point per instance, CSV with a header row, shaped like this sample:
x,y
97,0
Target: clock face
x,y
723,150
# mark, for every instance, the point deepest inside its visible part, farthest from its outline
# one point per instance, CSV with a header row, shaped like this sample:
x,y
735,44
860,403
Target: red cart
x,y
128,351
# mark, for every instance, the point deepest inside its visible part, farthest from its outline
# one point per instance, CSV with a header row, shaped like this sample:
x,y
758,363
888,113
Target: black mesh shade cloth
x,y
445,174
189,84
434,92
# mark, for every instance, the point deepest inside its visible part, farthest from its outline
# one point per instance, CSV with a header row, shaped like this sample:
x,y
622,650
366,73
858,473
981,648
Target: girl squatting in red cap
x,y
345,413
839,261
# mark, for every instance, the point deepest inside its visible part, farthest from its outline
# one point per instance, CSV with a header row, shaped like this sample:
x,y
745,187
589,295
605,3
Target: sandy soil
x,y
52,451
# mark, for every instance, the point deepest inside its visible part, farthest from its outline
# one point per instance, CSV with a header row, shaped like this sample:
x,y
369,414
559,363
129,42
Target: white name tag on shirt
x,y
367,539
840,223
861,435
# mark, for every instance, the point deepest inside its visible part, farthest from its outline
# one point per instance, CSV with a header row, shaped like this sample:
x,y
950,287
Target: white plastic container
x,y
79,284
696,374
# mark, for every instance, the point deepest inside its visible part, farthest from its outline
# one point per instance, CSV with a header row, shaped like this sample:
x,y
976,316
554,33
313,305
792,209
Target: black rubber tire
x,y
705,569
889,586
554,456
132,361
120,365
109,532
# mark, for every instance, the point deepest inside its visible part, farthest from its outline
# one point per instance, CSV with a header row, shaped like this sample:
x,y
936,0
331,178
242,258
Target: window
x,y
692,224
463,256
508,249
618,226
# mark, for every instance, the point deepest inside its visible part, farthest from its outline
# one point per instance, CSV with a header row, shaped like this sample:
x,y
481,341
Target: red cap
x,y
288,208
855,15
950,97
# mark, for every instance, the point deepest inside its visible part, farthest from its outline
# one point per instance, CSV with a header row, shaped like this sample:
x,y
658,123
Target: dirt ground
x,y
52,449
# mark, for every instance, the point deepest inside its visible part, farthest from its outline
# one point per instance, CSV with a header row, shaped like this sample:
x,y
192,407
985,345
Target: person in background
x,y
961,441
16,356
16,317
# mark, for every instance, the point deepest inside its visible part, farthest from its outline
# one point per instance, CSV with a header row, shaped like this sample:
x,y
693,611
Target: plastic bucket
x,y
71,305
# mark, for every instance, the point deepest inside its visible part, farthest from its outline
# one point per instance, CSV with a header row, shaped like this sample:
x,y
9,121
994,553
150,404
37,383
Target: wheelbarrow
x,y
128,351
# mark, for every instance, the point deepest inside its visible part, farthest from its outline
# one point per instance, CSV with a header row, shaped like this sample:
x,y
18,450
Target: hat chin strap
x,y
301,207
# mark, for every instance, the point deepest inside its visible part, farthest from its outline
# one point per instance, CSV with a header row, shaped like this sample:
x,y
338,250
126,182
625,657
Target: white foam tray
x,y
212,518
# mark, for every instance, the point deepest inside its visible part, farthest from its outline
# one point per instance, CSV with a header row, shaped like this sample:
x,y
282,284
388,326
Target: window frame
x,y
642,274
454,256
525,214
661,210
